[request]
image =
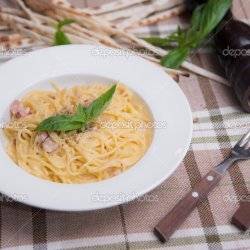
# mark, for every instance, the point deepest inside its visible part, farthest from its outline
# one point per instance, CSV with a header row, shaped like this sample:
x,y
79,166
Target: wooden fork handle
x,y
166,227
241,218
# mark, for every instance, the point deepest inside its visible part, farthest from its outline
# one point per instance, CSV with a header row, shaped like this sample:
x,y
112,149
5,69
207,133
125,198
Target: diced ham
x,y
41,137
17,109
49,145
46,142
87,103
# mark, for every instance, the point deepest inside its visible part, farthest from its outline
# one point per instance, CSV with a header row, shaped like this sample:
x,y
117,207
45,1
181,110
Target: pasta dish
x,y
78,134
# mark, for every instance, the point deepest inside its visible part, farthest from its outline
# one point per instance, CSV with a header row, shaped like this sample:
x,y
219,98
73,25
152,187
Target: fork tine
x,y
247,145
244,139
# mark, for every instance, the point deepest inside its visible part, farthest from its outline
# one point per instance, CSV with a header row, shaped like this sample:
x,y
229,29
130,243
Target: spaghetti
x,y
111,144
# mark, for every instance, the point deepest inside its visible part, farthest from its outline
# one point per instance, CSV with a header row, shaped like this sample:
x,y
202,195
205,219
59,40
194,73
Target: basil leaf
x,y
81,117
205,19
177,36
80,111
175,58
59,123
100,104
196,17
65,22
212,14
157,41
61,38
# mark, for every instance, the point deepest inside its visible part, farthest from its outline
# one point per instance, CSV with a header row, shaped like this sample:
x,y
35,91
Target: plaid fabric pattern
x,y
218,123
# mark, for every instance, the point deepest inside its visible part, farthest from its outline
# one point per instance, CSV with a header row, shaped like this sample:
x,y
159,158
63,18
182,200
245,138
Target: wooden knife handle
x,y
241,218
166,227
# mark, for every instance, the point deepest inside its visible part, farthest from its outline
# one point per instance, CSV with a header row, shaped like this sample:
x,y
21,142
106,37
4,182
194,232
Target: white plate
x,y
80,64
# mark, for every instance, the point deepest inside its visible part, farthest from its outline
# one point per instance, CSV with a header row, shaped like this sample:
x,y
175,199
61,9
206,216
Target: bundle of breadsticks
x,y
109,24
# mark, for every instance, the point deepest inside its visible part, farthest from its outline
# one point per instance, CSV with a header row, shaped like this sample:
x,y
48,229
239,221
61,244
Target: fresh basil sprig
x,y
60,37
205,19
81,118
177,36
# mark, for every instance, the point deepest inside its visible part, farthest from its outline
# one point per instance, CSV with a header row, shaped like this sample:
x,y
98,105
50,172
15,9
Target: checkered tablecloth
x,y
218,123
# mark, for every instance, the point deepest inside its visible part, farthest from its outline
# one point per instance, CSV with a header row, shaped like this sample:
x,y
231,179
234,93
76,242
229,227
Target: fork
x,y
166,227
